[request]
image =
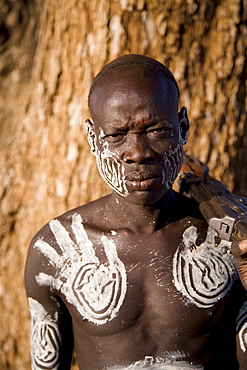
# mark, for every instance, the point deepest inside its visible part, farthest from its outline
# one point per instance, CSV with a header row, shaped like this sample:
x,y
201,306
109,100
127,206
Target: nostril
x,y
128,161
138,156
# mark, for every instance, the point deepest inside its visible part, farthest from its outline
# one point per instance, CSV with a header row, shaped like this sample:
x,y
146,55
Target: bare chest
x,y
114,279
118,276
160,298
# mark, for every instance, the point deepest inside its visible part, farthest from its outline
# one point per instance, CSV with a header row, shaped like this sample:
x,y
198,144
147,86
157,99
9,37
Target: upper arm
x,y
242,337
51,328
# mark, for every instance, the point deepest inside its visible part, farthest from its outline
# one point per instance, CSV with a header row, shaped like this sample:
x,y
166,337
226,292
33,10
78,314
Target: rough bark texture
x,y
45,165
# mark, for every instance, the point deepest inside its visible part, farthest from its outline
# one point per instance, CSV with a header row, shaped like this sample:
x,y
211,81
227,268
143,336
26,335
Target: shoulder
x,y
60,235
187,206
85,213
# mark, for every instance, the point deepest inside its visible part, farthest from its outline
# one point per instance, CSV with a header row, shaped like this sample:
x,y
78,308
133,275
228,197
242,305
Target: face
x,y
136,133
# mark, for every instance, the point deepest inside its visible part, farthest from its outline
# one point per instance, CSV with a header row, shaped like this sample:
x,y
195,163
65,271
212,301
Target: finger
x,y
243,246
85,245
62,236
49,252
239,248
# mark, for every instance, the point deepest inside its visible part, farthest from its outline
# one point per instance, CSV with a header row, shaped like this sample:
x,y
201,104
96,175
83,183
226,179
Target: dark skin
x,y
135,124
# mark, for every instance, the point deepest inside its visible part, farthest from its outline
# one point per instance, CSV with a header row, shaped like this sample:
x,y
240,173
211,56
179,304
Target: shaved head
x,y
128,61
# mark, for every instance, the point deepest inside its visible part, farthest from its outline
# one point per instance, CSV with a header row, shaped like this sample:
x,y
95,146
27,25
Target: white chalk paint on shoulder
x,y
96,289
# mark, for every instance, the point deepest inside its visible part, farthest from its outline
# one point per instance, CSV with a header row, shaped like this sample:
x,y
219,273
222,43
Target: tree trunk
x,y
45,164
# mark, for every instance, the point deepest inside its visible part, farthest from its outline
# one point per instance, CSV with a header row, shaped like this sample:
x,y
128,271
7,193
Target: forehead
x,y
131,76
131,89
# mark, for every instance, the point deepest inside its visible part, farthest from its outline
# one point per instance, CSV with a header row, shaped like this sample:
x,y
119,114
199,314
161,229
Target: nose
x,y
137,150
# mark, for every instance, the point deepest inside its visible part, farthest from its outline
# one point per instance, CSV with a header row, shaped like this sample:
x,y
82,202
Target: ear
x,y
184,125
91,137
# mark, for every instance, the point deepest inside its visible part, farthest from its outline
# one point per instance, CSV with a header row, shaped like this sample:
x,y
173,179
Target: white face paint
x,y
172,162
97,290
110,167
45,338
112,170
203,273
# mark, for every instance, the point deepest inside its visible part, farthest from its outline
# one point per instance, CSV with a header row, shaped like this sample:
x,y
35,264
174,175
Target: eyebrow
x,y
163,121
154,122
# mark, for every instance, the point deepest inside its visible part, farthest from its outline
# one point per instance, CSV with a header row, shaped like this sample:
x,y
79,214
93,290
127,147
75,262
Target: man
x,y
136,279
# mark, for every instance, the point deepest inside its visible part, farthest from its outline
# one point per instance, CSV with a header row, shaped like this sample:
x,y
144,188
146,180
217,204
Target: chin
x,y
144,198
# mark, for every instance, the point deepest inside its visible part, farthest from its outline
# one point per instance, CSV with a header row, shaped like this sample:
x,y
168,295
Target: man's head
x,y
137,133
131,60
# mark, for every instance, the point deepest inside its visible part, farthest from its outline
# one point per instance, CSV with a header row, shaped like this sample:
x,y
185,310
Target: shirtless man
x,y
136,279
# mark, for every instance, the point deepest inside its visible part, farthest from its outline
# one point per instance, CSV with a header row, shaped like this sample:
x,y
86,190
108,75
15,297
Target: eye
x,y
160,132
114,137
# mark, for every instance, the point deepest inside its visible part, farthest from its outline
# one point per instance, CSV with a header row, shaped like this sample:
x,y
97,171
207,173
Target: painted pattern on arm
x,y
203,273
242,327
45,338
96,289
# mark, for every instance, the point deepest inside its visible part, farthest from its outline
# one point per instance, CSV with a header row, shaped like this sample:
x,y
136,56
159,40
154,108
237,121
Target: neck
x,y
143,218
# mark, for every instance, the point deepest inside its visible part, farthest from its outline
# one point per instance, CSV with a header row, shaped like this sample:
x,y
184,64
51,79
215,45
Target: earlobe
x,y
184,125
91,137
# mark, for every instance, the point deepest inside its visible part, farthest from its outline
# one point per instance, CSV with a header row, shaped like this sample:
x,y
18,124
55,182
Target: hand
x,y
239,251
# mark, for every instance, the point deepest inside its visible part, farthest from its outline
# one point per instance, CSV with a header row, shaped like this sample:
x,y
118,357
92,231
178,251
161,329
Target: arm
x,y
242,337
51,329
239,251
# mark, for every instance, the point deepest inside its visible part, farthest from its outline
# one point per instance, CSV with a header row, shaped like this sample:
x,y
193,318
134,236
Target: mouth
x,y
142,180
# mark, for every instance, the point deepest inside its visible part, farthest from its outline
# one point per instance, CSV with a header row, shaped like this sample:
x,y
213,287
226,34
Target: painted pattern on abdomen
x,y
203,273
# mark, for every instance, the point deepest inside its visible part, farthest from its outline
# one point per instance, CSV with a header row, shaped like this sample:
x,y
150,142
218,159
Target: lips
x,y
140,176
142,180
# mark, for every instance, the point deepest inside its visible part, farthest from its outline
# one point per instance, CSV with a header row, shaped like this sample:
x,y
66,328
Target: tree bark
x,y
45,164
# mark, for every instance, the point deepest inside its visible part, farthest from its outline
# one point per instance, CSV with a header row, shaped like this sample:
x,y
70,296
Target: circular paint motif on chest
x,y
203,273
98,289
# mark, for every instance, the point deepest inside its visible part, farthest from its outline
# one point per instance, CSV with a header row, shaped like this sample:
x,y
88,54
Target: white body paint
x,y
45,338
157,258
242,327
112,171
110,167
243,337
97,290
173,361
171,164
203,273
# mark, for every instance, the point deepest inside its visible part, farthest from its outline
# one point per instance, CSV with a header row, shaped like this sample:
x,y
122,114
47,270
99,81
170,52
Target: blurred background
x,y
49,52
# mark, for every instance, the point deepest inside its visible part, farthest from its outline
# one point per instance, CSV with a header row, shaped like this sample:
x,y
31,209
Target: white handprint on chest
x,y
203,273
96,289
